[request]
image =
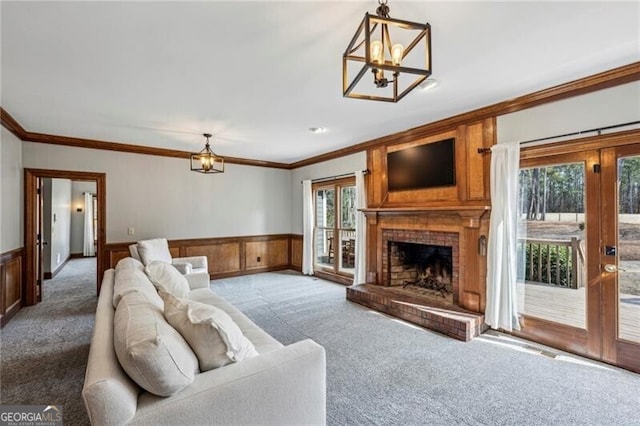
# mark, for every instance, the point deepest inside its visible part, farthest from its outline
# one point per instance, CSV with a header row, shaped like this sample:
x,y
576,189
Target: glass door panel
x,y
334,234
325,213
628,249
551,244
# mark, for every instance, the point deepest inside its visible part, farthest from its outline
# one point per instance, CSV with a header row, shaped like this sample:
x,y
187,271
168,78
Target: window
x,y
334,232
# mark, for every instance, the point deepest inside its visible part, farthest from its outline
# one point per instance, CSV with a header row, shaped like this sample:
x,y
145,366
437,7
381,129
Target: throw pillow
x,y
133,279
150,351
166,277
155,249
210,331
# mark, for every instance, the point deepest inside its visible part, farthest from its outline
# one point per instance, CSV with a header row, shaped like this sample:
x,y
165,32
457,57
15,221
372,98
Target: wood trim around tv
x,y
614,77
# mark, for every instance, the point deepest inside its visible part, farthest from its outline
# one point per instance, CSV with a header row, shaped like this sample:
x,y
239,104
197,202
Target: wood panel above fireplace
x,y
460,210
471,170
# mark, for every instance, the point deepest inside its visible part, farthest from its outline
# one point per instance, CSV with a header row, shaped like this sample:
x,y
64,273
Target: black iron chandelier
x,y
397,52
207,161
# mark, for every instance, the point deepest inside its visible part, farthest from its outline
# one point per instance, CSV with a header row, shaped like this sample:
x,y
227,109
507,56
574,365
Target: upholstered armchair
x,y
146,251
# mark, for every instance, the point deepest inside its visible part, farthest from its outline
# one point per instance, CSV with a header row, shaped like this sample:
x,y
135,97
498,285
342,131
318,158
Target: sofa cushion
x,y
133,252
165,277
151,352
262,341
129,262
130,276
155,249
210,332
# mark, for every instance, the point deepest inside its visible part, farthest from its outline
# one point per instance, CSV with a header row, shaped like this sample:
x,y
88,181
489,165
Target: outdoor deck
x,y
568,306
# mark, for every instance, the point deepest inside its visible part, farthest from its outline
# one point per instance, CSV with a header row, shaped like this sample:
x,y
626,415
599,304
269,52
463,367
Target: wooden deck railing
x,y
556,262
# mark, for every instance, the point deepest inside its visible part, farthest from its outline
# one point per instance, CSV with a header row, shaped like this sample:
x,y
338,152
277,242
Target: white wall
x,y
616,105
60,242
10,192
160,196
342,165
78,188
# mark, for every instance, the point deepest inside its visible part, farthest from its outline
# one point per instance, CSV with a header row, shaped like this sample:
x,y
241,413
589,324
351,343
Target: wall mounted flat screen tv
x,y
424,166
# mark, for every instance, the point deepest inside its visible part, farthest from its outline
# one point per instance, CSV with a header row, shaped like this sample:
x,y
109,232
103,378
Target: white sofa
x,y
283,385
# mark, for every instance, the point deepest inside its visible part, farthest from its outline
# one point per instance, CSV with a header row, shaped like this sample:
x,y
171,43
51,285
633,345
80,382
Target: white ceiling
x,y
259,74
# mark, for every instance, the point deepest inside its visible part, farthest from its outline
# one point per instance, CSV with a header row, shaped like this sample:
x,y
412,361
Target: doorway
x,y
35,243
579,248
334,231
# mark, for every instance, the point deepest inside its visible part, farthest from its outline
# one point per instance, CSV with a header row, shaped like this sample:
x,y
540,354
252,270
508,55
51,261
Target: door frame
x,y
30,214
596,342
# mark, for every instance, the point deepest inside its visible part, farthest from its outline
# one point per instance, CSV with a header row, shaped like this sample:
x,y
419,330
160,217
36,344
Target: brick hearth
x,y
424,311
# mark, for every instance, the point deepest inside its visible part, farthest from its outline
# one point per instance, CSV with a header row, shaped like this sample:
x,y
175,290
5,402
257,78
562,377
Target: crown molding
x,y
617,76
11,124
614,77
14,127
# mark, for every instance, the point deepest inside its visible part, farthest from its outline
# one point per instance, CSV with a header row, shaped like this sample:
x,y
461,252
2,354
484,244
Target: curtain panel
x,y
360,272
307,228
502,264
89,244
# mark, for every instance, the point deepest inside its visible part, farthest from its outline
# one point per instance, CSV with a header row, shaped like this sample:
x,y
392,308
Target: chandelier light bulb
x,y
396,54
206,163
377,51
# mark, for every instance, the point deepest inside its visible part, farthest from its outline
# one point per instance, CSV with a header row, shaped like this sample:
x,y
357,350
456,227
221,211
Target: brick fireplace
x,y
426,266
441,217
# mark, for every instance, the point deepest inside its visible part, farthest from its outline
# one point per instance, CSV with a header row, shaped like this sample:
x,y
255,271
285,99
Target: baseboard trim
x,y
346,281
248,272
78,256
10,313
52,274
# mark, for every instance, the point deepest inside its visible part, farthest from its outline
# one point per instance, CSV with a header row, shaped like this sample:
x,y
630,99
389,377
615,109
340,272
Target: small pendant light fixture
x,y
206,161
382,44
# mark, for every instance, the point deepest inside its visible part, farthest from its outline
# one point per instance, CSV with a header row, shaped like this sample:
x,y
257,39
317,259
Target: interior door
x,y
620,266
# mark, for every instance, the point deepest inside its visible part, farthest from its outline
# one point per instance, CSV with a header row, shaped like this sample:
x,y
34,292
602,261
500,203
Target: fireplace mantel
x,y
469,215
426,209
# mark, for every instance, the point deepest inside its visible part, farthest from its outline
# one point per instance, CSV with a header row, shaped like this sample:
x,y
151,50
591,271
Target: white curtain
x,y
307,228
502,301
360,273
89,248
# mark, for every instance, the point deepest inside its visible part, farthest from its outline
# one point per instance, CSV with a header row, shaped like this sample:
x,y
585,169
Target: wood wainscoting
x,y
228,256
295,254
11,274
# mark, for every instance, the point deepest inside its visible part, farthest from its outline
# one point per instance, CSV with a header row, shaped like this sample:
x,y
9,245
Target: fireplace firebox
x,y
425,261
422,265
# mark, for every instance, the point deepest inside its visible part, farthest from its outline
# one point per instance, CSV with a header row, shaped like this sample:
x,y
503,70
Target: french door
x,y
334,231
620,280
579,252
